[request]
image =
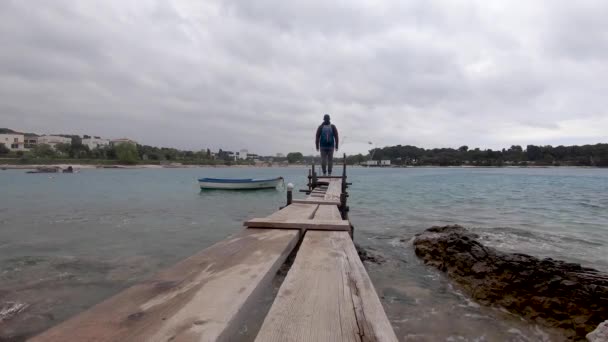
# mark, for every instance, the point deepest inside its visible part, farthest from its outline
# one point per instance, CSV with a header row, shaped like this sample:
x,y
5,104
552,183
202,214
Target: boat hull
x,y
239,184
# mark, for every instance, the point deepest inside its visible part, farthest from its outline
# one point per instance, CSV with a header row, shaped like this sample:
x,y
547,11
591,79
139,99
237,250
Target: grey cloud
x,y
260,74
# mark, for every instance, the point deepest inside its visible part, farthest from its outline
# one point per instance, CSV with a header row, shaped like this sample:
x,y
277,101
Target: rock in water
x,y
551,292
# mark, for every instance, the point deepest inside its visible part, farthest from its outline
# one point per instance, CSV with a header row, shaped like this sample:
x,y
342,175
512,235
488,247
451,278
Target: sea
x,y
68,241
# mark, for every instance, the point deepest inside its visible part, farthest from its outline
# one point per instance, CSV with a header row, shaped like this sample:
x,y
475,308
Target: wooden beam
x,y
334,190
295,211
328,212
203,298
315,224
326,296
312,201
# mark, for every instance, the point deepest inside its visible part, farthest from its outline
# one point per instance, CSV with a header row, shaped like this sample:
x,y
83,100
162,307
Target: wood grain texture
x,y
328,212
326,296
334,190
202,298
295,211
316,201
315,224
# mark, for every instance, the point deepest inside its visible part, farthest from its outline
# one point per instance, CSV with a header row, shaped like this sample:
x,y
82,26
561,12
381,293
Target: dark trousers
x,y
327,160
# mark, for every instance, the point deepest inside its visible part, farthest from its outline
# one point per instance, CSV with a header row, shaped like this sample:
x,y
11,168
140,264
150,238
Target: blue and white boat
x,y
239,184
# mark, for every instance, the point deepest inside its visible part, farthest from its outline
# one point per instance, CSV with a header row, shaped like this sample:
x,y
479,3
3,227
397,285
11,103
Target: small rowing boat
x,y
239,184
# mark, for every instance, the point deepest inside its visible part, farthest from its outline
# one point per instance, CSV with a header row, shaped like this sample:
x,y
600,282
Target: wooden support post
x,y
343,205
314,176
289,193
310,179
344,185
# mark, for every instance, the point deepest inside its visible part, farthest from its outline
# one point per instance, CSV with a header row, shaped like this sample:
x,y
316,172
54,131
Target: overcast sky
x,y
260,74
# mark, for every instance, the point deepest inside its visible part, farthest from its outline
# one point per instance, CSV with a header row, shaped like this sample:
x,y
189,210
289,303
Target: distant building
x,y
53,140
385,163
116,142
242,154
280,155
95,142
371,163
30,141
14,142
231,155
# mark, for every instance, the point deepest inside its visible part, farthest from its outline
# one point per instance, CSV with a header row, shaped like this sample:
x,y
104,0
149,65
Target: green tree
x,y
534,153
77,149
43,151
294,157
4,149
126,153
63,148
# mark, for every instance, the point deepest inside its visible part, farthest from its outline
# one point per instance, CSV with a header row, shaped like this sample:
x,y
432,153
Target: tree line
x,y
124,153
585,155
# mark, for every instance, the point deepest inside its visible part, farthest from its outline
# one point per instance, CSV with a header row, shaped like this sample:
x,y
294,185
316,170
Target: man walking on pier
x,y
327,141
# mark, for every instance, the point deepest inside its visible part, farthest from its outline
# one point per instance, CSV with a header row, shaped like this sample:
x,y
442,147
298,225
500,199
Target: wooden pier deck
x,y
326,295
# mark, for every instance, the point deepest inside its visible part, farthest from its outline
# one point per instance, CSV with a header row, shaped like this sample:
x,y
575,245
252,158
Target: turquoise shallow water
x,y
68,241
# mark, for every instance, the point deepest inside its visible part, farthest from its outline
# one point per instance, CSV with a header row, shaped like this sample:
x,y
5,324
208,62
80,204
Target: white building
x,y
280,155
14,142
116,142
95,142
385,163
243,154
53,140
371,163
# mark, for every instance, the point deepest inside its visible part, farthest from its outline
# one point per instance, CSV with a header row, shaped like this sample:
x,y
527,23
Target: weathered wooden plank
x,y
202,298
315,201
315,224
295,211
326,296
334,190
327,212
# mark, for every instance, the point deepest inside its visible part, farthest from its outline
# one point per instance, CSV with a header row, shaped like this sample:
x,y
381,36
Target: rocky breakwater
x,y
550,292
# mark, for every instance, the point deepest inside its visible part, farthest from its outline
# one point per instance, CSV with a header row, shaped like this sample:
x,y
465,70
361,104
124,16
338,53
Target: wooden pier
x,y
326,295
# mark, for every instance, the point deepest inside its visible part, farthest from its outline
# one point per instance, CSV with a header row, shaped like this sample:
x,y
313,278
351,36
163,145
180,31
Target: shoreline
x,y
188,166
141,166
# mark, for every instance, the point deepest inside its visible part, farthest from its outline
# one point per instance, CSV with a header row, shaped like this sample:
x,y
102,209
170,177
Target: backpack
x,y
327,137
